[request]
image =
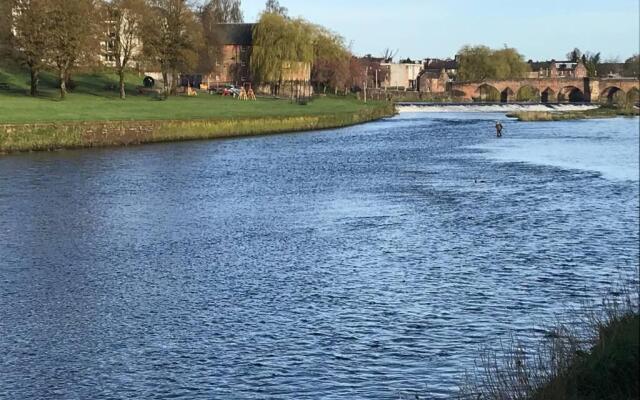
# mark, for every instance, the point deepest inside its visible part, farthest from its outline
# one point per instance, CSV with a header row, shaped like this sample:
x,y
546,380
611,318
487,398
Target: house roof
x,y
437,64
561,65
237,34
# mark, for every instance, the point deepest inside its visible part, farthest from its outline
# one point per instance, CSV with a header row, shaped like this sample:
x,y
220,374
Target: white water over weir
x,y
492,108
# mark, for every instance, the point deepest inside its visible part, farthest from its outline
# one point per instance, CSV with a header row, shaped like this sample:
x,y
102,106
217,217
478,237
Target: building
x,y
403,75
234,61
233,65
431,81
435,65
557,69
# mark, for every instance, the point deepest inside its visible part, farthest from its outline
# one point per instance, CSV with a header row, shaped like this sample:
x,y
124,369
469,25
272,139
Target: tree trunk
x,y
123,94
63,83
166,83
35,79
175,83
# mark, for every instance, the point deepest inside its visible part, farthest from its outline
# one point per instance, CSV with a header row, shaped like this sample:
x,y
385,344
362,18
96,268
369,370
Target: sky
x,y
539,29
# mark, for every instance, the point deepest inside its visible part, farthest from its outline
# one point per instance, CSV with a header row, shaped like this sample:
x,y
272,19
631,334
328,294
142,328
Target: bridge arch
x,y
528,93
571,94
487,92
633,97
548,96
507,95
613,95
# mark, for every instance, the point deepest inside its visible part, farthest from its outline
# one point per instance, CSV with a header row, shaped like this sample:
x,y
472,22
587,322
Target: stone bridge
x,y
551,90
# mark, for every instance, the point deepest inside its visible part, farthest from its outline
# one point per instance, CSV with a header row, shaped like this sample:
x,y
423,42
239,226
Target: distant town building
x,y
235,56
430,81
435,65
557,69
403,75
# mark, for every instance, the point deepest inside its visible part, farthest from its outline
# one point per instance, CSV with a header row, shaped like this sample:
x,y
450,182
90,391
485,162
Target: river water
x,y
369,262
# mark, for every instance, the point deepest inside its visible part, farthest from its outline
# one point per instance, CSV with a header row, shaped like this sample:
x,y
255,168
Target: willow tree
x,y
279,42
509,64
480,62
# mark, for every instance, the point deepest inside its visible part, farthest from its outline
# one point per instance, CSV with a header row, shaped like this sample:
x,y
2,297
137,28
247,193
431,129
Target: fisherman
x,y
499,129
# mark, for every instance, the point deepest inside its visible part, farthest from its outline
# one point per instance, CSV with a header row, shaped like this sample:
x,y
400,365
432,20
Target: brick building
x,y
557,69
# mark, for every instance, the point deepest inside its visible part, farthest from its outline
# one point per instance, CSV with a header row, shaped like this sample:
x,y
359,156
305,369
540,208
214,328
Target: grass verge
x,y
602,112
68,135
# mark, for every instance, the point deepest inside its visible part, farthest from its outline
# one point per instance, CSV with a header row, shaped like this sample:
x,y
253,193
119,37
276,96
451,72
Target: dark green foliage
x,y
609,372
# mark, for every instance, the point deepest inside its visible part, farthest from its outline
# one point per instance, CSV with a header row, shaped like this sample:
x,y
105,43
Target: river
x,y
368,262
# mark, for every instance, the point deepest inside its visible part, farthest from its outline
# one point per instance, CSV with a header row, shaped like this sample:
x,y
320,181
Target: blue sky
x,y
540,29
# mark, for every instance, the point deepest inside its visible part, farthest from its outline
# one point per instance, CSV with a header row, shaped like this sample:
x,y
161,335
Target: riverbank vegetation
x,y
592,354
93,114
596,113
69,135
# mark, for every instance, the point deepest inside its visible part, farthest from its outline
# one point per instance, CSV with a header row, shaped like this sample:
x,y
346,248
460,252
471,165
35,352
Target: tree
x,y
331,60
357,72
32,37
6,23
280,41
212,14
73,35
171,35
574,55
475,63
478,63
222,11
591,62
508,64
632,67
388,55
124,19
273,7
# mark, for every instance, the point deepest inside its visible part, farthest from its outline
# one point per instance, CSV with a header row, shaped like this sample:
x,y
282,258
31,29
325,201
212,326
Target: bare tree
x,y
32,37
72,26
212,14
274,7
123,30
223,11
388,55
574,55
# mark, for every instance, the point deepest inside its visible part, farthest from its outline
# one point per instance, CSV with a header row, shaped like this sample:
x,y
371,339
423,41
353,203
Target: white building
x,y
402,76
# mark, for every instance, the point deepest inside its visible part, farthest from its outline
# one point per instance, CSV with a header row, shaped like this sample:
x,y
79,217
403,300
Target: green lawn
x,y
91,101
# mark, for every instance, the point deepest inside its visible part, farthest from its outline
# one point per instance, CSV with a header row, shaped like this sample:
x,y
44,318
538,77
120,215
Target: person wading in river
x,y
499,129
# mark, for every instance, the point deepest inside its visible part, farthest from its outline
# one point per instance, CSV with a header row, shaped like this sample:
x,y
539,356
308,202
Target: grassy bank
x,y
594,354
609,371
602,112
67,135
93,115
